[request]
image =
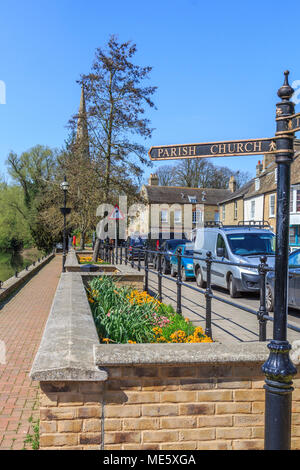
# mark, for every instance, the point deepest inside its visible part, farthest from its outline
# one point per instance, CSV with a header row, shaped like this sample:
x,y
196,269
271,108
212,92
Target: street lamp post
x,y
65,211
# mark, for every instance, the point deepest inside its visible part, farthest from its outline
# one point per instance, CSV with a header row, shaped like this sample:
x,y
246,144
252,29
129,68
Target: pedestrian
x,y
74,241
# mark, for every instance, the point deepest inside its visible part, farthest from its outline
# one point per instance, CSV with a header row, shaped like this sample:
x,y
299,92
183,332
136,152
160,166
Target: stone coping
x,y
13,283
70,348
66,349
178,353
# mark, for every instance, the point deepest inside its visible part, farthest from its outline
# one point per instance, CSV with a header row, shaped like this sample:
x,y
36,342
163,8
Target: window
x,y
298,200
223,212
272,205
292,201
293,232
275,175
257,184
235,210
177,216
164,215
197,217
294,260
252,210
221,244
192,199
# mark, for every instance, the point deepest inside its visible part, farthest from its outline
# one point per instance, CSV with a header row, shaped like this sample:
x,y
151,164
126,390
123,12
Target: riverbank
x,y
10,263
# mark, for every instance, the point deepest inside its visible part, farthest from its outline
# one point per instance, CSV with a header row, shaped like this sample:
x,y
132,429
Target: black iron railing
x,y
107,253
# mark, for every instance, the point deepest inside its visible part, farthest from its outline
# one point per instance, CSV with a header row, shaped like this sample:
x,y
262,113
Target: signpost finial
x,y
286,91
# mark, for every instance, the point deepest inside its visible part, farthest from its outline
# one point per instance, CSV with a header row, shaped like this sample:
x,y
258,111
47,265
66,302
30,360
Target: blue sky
x,y
217,66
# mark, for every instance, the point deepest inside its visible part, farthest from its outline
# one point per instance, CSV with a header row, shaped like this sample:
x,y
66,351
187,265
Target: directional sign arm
x,y
214,149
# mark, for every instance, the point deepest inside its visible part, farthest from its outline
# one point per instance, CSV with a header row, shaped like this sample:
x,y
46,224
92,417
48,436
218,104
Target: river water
x,y
9,263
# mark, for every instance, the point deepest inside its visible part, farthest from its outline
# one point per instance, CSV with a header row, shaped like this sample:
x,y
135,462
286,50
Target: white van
x,y
240,244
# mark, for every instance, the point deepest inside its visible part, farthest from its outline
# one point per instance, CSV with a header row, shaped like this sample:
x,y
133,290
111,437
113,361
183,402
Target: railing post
x,y
179,282
112,254
139,259
146,272
208,294
117,254
262,297
159,277
126,253
121,253
132,257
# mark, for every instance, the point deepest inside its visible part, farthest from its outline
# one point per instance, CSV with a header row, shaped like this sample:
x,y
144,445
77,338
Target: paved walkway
x,y
22,321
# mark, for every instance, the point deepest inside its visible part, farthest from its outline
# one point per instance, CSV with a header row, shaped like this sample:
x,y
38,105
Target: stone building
x,y
256,200
170,208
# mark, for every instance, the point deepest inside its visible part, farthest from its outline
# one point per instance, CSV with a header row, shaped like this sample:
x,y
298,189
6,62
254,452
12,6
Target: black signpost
x,y
278,369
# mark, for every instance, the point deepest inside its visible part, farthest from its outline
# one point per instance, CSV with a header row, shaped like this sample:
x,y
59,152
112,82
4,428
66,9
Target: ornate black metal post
x,y
139,259
121,254
64,210
262,307
159,277
179,282
208,295
146,271
126,253
279,369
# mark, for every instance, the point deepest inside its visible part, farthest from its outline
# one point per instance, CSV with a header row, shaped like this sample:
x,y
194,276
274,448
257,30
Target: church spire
x,y
82,136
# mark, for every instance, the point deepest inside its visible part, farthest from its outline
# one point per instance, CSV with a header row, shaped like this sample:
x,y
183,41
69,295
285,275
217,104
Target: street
x,y
229,324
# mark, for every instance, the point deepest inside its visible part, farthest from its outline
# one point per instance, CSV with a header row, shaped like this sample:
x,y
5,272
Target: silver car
x,y
233,244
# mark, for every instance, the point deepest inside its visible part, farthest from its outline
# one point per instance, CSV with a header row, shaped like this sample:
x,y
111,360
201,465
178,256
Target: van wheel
x,y
233,287
269,299
199,278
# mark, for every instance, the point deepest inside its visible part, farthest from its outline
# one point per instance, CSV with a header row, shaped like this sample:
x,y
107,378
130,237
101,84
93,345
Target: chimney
x,y
232,184
153,180
268,158
259,168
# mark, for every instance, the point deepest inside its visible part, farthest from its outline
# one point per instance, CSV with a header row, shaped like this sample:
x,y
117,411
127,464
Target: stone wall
x,y
199,407
145,396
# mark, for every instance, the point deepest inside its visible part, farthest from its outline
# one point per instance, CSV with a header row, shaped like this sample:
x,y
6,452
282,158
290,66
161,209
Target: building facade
x,y
174,209
256,201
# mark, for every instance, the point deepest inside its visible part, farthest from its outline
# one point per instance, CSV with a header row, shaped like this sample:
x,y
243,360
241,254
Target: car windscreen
x,y
245,244
294,260
173,243
188,253
137,241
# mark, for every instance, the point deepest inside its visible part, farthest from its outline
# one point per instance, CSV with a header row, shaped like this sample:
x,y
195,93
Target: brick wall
x,y
195,407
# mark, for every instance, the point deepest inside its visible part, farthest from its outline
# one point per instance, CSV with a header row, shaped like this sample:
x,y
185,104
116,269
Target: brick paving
x,y
22,321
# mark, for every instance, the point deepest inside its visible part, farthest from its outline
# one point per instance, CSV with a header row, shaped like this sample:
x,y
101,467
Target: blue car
x,y
293,283
187,271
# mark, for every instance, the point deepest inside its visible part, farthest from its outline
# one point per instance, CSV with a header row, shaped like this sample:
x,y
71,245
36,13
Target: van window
x,y
245,244
221,244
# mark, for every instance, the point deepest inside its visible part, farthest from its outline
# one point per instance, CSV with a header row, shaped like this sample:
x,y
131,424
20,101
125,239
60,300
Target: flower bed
x,y
125,315
85,259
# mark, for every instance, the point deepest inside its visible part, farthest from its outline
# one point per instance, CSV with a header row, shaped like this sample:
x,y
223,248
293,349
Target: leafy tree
x,y
116,99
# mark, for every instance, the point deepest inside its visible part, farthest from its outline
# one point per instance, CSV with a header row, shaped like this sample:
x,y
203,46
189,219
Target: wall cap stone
x,y
66,349
178,353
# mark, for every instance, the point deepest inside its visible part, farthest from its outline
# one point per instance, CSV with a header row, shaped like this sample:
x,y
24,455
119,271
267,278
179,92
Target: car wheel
x,y
183,275
199,278
269,299
173,272
233,287
165,268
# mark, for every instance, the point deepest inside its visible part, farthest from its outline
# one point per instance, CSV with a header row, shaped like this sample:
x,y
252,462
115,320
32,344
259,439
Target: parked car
x,y
293,283
236,244
167,248
187,271
135,244
154,243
